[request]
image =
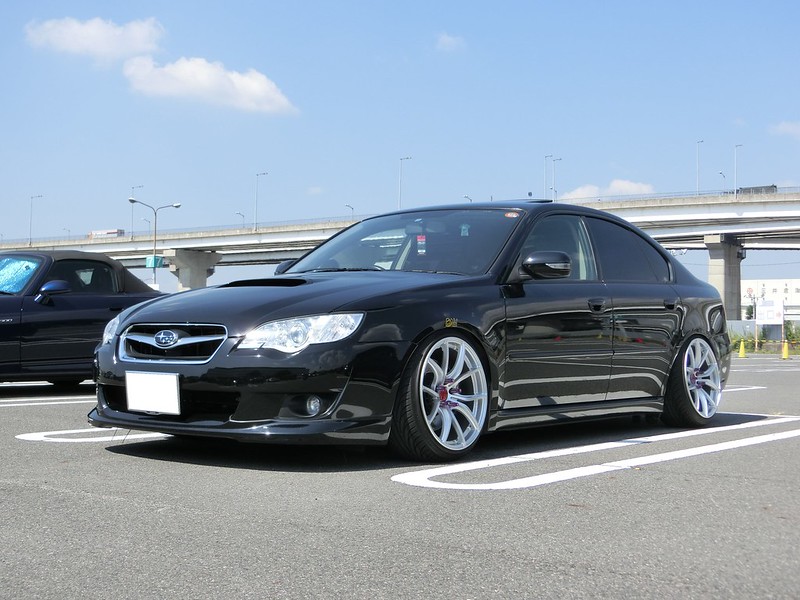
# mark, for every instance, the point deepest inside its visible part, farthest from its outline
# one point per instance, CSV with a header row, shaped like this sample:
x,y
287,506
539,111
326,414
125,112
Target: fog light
x,y
313,406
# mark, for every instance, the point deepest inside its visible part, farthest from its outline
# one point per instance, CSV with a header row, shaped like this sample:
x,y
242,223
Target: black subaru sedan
x,y
53,308
423,330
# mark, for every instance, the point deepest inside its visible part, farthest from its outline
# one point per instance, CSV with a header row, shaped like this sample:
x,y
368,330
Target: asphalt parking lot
x,y
610,509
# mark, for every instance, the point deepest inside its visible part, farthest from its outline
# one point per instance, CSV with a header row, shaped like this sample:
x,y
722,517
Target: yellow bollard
x,y
785,354
741,350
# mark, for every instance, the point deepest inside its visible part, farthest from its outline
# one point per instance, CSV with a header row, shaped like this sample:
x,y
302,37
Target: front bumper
x,y
261,398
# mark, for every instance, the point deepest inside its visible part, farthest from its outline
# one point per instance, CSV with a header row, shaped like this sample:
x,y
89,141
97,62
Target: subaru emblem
x,y
166,338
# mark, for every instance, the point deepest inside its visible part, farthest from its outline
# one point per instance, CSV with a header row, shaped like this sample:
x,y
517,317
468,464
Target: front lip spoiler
x,y
311,432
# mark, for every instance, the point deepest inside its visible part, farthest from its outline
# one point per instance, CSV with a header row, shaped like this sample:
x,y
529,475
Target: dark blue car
x,y
53,308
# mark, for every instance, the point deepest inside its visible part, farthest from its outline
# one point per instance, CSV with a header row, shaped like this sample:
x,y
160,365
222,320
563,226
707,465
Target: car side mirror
x,y
284,266
51,288
547,265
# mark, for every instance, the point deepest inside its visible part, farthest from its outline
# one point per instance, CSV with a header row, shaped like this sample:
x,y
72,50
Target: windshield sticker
x,y
421,245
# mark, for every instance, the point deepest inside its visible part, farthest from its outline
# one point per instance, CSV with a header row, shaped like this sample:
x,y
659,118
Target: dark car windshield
x,y
16,272
463,241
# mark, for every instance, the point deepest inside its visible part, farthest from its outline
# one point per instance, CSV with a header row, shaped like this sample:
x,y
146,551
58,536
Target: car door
x,y
66,327
16,274
558,331
647,309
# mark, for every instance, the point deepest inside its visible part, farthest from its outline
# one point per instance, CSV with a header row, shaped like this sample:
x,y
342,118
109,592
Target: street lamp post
x,y
133,187
30,222
241,215
149,224
352,211
155,225
467,198
255,208
400,183
555,191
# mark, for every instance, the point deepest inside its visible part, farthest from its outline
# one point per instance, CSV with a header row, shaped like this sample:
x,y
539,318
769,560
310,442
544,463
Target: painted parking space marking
x,y
18,403
90,434
426,477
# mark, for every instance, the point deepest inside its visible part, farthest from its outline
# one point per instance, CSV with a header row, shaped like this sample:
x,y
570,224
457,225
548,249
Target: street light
x,y
352,211
555,191
400,183
133,187
241,215
30,222
149,224
697,187
723,180
255,209
467,198
133,200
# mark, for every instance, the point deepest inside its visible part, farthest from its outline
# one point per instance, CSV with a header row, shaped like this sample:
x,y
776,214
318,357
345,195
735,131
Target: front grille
x,y
169,342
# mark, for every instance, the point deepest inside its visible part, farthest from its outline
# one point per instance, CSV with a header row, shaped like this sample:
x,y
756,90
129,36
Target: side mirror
x,y
547,265
284,266
51,288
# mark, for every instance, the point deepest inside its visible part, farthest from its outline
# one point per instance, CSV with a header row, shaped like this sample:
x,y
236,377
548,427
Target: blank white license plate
x,y
153,392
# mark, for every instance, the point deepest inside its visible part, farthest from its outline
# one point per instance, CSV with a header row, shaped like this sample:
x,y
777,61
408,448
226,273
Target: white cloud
x,y
790,128
623,187
207,81
617,187
585,191
136,41
105,41
314,190
449,43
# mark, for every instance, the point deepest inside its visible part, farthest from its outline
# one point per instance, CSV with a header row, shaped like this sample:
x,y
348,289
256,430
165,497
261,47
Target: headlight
x,y
294,335
110,331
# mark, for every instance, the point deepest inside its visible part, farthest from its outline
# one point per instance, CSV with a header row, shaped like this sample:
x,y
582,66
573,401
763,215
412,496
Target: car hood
x,y
241,305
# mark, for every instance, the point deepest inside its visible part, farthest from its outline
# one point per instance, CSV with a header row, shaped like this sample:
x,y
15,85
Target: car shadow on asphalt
x,y
340,458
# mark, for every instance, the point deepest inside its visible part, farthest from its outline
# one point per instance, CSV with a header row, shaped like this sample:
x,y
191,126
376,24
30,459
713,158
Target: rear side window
x,y
84,276
624,255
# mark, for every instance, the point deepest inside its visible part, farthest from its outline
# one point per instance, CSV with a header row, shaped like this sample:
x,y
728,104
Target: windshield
x,y
463,241
16,272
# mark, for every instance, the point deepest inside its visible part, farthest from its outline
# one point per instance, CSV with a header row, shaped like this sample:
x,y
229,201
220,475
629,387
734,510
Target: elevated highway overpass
x,y
727,224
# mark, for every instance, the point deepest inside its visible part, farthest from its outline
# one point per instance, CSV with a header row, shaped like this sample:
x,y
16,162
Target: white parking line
x,y
425,478
13,403
91,434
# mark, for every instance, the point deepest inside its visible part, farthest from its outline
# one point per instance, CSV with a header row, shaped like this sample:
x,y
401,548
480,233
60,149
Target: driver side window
x,y
564,233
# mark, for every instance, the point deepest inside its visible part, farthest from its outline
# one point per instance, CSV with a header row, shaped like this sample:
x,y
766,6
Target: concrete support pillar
x,y
192,267
725,255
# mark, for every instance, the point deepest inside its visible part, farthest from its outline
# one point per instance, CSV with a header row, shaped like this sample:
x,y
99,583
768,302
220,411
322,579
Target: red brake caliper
x,y
444,393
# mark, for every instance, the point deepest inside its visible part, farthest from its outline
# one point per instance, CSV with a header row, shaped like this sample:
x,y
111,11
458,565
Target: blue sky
x,y
190,100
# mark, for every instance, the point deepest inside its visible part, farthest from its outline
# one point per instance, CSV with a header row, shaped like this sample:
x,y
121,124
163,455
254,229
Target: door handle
x,y
597,304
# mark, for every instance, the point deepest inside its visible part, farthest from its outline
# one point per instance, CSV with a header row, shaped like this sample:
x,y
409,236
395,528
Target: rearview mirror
x,y
51,288
547,265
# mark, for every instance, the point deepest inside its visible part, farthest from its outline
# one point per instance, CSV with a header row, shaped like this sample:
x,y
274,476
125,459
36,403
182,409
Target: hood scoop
x,y
284,282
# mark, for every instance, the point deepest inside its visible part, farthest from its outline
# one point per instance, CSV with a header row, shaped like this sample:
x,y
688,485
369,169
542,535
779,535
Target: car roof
x,y
59,254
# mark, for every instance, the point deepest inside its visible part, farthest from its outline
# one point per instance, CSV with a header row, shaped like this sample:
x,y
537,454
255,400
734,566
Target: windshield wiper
x,y
341,269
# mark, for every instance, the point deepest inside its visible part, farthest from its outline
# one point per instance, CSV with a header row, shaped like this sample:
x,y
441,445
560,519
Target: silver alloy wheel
x,y
702,377
453,393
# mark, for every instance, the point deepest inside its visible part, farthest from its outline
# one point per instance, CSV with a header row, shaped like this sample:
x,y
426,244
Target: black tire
x,y
694,388
443,401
